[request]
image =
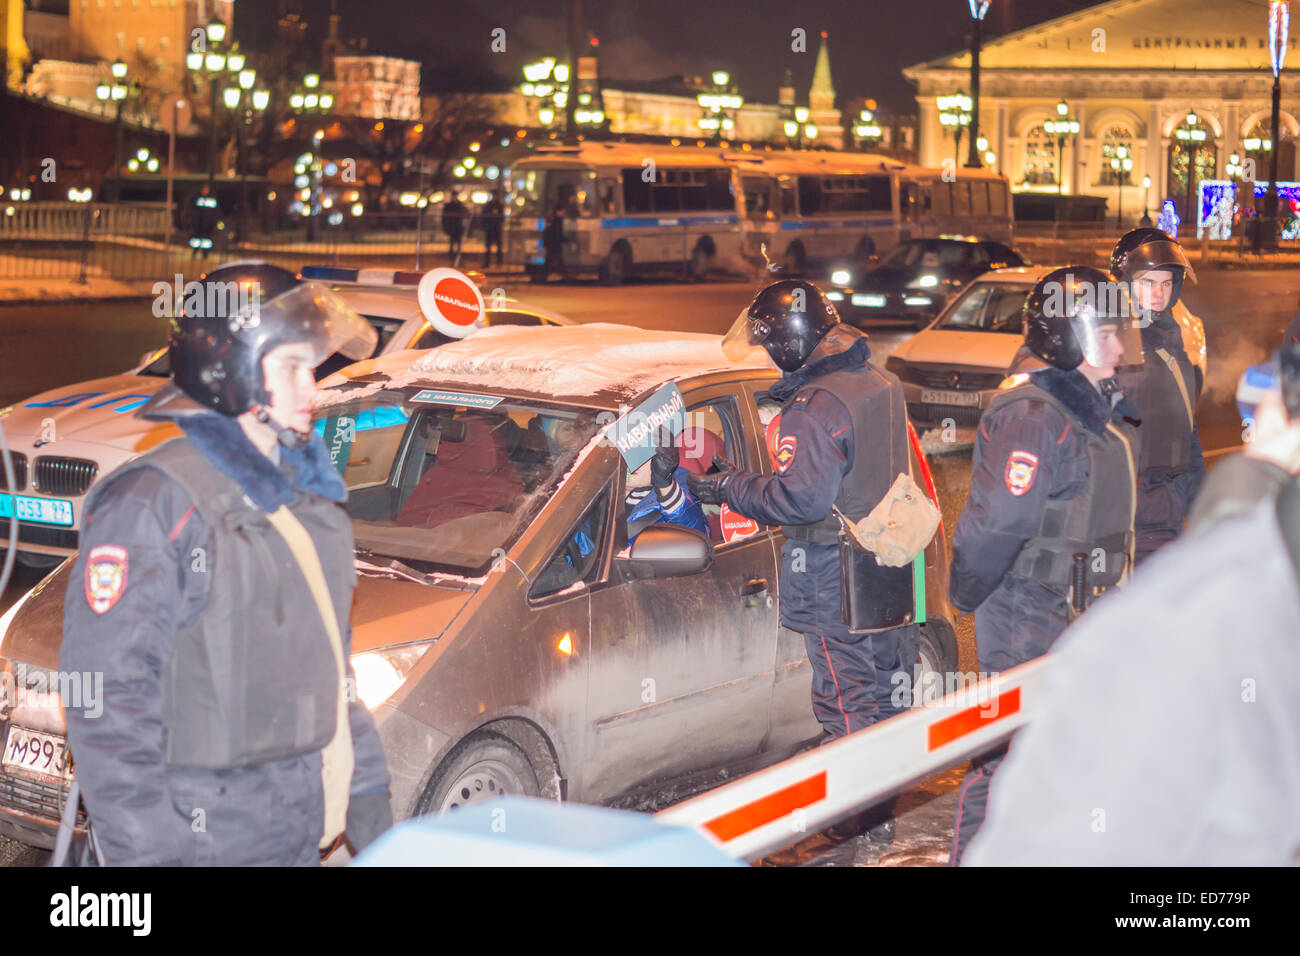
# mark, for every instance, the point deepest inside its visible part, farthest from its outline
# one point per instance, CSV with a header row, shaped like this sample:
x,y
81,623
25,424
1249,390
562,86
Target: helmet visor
x,y
314,314
744,337
1106,340
1158,254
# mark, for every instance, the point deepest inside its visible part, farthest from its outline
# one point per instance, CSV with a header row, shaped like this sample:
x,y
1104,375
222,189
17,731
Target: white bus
x,y
629,209
807,209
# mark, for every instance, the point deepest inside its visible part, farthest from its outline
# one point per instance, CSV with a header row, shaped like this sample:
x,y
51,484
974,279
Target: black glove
x,y
708,489
369,815
663,466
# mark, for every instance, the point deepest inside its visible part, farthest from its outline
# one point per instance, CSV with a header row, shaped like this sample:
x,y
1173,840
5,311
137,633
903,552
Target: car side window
x,y
577,559
429,338
712,428
512,318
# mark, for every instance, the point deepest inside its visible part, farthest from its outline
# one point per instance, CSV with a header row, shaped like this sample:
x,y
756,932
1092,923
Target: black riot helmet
x,y
1141,250
788,319
1068,312
232,317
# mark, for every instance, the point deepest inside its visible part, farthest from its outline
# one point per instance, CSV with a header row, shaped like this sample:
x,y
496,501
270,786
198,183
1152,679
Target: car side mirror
x,y
667,551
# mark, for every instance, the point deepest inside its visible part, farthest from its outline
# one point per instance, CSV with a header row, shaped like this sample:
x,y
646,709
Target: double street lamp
x,y
1279,25
1063,127
1191,134
219,66
310,99
252,104
719,105
866,130
118,91
799,127
955,112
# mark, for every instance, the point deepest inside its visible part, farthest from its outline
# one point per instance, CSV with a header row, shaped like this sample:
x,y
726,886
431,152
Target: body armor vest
x,y
253,678
879,417
1165,394
1098,522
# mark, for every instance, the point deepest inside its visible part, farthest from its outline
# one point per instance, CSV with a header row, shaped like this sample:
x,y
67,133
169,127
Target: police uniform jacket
x,y
220,686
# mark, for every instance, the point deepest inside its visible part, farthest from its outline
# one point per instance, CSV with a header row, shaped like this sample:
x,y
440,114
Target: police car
x,y
64,439
507,637
951,370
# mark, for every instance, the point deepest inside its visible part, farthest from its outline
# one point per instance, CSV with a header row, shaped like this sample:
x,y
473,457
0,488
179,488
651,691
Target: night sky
x,y
870,40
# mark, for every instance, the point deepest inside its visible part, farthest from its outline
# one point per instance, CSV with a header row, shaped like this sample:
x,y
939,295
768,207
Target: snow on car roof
x,y
596,359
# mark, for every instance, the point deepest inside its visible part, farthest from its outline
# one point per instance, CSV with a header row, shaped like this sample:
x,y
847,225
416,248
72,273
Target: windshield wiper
x,y
383,564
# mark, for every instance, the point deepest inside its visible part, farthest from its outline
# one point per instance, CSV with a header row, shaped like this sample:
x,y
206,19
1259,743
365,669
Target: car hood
x,y
891,278
101,411
384,612
952,347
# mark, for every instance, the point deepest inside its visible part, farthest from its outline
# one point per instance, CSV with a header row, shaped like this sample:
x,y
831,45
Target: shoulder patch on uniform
x,y
106,570
785,449
1021,470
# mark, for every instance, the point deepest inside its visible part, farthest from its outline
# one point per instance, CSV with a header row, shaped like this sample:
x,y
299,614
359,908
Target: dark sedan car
x,y
915,280
507,636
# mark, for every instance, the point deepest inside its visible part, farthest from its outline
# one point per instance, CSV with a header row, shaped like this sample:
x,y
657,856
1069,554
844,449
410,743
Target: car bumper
x,y
935,408
856,307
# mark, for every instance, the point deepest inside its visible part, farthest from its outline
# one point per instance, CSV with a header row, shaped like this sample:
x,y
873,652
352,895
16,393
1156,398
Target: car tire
x,y
614,269
483,767
936,658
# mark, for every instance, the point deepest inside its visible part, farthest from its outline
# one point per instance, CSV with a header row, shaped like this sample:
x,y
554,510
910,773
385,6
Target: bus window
x,y
961,198
607,196
721,193
979,198
908,205
942,192
636,192
810,195
879,193
787,199
998,198
758,198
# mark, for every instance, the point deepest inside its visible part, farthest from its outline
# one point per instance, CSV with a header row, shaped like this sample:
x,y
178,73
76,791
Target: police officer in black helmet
x,y
212,590
1164,389
842,441
1048,525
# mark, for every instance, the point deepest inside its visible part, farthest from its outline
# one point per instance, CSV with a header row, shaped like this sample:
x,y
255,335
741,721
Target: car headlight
x,y
927,282
895,365
1011,381
841,277
6,410
380,673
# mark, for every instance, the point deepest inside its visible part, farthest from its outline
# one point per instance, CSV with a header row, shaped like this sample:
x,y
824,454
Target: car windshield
x,y
925,255
441,486
161,367
988,307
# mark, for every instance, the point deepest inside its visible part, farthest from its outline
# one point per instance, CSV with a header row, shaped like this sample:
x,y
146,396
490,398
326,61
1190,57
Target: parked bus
x,y
642,208
629,209
807,209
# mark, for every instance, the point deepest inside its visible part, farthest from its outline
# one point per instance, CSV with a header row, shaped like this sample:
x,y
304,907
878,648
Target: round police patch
x,y
106,568
1022,469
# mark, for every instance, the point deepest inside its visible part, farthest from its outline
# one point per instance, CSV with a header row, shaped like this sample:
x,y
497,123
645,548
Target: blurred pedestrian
x,y
453,224
553,240
494,212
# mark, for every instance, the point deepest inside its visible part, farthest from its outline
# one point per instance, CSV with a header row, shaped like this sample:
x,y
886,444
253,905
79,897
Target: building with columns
x,y
1130,72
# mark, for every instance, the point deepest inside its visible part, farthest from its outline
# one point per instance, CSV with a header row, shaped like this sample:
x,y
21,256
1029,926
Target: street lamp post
x,y
1191,134
1064,125
117,92
955,111
978,9
216,63
1146,198
719,106
249,103
1121,164
1279,24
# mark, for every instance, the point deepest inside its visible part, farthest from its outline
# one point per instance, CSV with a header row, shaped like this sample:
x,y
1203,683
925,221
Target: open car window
x,y
440,486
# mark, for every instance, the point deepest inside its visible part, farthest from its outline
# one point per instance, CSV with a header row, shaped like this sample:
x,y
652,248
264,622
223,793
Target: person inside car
x,y
657,490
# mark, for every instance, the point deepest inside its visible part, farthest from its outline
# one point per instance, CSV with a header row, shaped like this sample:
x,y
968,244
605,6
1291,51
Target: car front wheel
x,y
484,767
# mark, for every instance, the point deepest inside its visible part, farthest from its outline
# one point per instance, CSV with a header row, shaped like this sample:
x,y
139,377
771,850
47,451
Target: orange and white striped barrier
x,y
780,805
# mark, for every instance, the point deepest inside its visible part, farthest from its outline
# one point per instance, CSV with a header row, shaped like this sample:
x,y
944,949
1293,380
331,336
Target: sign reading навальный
x,y
636,433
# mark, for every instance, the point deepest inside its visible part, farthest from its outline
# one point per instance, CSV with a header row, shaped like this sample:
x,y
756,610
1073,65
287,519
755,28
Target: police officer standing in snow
x,y
1164,388
1048,525
842,441
212,590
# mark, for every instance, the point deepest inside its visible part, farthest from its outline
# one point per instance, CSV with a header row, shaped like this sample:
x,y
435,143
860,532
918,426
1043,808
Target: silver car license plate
x,y
931,397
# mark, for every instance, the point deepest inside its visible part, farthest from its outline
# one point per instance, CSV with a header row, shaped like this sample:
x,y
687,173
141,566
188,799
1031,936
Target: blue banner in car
x,y
636,433
436,396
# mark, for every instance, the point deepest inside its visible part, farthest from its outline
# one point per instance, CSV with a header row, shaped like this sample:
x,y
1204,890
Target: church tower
x,y
821,101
